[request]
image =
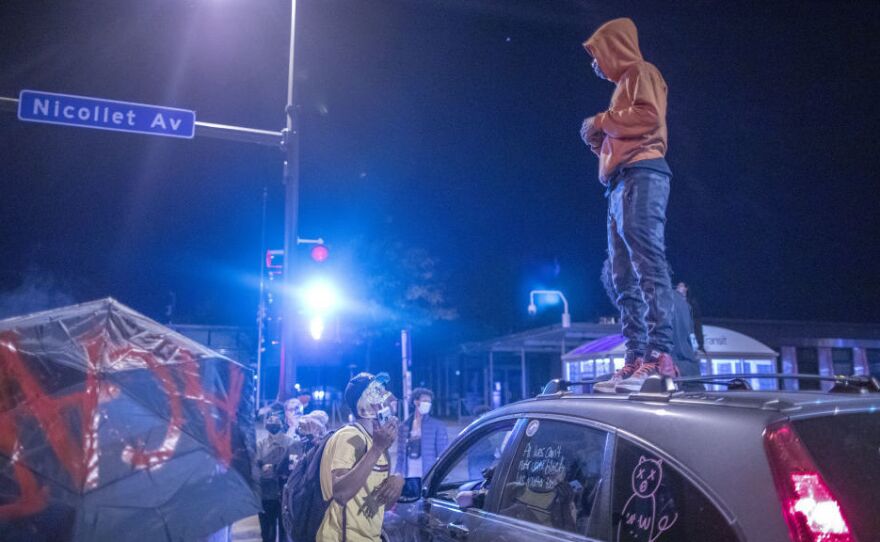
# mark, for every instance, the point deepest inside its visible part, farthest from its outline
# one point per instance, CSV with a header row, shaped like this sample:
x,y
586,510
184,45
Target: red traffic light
x,y
320,253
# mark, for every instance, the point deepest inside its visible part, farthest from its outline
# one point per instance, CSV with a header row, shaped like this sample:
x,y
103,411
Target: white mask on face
x,y
424,407
372,399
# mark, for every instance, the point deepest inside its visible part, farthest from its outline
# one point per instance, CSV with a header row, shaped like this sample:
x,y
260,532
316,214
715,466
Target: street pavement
x,y
247,530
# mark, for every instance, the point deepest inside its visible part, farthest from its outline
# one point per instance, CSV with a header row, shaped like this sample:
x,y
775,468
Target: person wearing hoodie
x,y
630,140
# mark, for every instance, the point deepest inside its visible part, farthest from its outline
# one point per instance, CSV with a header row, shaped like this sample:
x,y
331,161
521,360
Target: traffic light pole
x,y
287,369
288,141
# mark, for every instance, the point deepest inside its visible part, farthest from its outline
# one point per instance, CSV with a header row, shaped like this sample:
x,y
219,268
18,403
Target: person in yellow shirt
x,y
355,467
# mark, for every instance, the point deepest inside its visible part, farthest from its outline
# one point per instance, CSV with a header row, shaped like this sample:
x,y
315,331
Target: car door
x,y
557,486
456,489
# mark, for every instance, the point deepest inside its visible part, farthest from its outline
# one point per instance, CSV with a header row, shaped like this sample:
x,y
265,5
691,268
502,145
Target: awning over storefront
x,y
720,343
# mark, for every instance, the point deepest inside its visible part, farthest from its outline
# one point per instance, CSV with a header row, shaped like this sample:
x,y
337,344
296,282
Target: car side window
x,y
654,501
466,480
555,475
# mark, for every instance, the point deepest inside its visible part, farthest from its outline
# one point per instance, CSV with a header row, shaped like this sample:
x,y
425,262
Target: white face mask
x,y
424,407
372,400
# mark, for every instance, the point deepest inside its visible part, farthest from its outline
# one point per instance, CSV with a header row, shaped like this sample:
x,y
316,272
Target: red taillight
x,y
810,509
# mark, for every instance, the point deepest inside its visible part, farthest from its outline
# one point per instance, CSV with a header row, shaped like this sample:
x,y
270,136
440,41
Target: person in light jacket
x,y
421,439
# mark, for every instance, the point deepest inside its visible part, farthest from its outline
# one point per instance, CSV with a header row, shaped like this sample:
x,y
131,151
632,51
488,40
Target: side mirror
x,y
412,490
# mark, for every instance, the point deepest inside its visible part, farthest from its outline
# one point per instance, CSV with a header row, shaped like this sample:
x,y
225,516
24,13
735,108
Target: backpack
x,y
302,503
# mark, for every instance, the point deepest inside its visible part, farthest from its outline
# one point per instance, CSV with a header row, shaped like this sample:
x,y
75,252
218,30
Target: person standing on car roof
x,y
682,339
630,140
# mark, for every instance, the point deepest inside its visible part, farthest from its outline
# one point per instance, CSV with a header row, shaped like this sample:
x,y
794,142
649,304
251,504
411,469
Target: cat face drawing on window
x,y
646,476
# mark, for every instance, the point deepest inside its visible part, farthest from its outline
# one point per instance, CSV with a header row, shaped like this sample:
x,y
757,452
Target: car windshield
x,y
846,448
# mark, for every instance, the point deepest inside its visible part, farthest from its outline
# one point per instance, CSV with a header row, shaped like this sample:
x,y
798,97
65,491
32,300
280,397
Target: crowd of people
x,y
357,476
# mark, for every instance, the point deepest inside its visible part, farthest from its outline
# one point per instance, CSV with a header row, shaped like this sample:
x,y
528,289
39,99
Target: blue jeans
x,y
637,251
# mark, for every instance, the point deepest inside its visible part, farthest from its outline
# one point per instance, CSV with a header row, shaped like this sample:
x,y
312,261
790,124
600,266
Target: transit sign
x,y
85,112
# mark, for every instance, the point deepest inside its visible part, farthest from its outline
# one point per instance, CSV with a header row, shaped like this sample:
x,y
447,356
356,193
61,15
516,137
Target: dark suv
x,y
655,466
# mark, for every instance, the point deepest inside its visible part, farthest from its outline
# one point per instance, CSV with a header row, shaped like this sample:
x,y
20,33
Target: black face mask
x,y
273,428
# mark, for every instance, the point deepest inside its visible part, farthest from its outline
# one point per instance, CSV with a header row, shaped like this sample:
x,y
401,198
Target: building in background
x,y
822,348
512,367
727,352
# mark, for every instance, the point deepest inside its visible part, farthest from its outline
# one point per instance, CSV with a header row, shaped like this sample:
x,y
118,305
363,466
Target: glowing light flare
x,y
320,253
549,299
320,297
819,508
316,328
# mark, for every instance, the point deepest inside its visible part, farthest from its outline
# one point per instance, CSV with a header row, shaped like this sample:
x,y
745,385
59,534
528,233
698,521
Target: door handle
x,y
457,531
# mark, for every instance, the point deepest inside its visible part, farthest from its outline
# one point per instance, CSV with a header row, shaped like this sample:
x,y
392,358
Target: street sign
x,y
85,112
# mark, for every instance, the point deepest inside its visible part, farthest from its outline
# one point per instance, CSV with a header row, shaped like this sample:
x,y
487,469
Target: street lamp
x,y
533,308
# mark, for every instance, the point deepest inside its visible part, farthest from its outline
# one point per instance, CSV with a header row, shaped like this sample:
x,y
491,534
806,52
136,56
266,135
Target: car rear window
x,y
846,449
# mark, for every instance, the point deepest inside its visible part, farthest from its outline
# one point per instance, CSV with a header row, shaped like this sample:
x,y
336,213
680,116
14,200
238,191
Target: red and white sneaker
x,y
659,363
630,367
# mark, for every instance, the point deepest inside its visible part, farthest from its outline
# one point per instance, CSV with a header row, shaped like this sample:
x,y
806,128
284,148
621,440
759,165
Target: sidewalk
x,y
246,530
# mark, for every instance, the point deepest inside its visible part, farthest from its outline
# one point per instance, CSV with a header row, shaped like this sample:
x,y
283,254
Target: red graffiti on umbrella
x,y
79,457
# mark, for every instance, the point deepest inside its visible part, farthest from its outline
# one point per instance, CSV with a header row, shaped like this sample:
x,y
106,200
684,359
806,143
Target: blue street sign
x,y
52,108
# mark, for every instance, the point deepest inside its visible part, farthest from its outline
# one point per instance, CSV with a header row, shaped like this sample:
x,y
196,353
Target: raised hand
x,y
385,435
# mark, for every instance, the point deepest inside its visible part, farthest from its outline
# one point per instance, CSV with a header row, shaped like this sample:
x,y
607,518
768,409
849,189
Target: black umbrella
x,y
114,427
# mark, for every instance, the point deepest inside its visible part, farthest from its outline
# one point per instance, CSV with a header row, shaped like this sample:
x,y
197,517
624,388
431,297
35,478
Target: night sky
x,y
449,126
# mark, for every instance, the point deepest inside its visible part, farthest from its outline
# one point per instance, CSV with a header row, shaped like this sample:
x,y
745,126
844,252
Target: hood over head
x,y
615,46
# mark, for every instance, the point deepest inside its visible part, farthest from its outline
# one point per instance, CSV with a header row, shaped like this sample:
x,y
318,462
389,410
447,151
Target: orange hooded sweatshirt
x,y
634,126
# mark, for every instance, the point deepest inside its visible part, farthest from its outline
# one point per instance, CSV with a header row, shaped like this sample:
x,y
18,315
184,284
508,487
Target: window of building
x,y
873,355
573,370
652,500
761,366
593,368
751,366
842,359
555,476
808,364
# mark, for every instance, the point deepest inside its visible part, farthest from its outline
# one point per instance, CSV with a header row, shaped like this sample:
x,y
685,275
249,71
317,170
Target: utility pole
x,y
261,310
287,369
406,374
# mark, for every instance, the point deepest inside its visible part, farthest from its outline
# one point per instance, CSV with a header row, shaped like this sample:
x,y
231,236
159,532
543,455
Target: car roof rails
x,y
841,384
558,386
658,386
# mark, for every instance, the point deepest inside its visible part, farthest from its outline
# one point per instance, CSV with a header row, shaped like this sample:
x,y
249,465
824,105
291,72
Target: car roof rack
x,y
663,385
841,384
558,386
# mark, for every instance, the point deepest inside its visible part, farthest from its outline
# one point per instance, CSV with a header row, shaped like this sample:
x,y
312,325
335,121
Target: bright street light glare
x,y
549,299
320,297
316,328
